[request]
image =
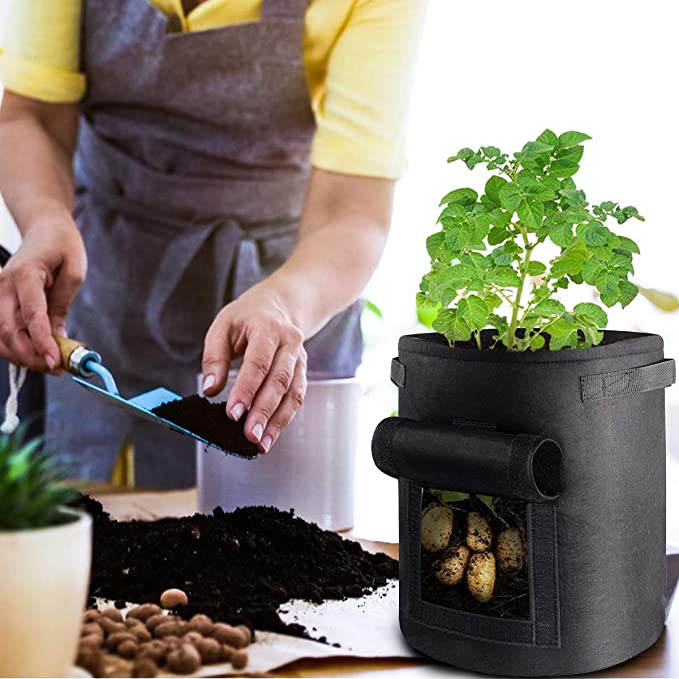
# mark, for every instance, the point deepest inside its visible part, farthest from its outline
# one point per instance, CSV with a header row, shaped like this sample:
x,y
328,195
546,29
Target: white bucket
x,y
309,469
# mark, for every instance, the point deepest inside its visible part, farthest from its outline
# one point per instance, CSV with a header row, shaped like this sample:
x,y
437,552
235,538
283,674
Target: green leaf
x,y
608,285
497,235
570,262
426,313
462,154
590,270
478,312
548,137
628,244
561,234
533,149
452,496
486,499
492,189
531,212
510,196
595,312
628,291
491,151
549,307
569,139
593,234
504,276
450,324
457,238
535,268
564,168
434,243
372,308
461,196
537,342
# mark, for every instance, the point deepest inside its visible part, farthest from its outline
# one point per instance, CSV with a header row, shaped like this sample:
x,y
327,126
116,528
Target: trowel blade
x,y
142,404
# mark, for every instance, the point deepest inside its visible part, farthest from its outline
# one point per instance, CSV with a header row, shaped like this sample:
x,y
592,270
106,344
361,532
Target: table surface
x,y
661,660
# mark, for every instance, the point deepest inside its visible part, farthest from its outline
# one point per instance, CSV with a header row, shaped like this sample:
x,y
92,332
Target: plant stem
x,y
516,305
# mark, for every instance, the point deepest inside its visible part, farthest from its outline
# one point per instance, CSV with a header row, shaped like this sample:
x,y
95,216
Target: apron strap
x,y
284,9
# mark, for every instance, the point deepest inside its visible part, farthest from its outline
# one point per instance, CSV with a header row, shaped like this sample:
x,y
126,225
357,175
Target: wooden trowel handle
x,y
67,347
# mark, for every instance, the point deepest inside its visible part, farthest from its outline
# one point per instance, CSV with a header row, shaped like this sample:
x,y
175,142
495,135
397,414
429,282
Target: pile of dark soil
x,y
210,421
238,567
510,597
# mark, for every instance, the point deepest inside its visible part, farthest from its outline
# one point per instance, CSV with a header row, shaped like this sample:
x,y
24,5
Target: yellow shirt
x,y
359,56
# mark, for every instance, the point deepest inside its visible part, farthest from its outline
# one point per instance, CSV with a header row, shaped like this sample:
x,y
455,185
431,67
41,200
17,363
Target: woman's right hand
x,y
36,290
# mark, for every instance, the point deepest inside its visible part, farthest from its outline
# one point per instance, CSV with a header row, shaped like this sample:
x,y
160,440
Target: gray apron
x,y
191,170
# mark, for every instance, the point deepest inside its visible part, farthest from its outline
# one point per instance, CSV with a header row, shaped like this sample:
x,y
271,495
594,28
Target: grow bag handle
x,y
469,459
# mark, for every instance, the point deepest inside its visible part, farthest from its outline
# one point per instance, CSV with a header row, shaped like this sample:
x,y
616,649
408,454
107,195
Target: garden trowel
x,y
85,365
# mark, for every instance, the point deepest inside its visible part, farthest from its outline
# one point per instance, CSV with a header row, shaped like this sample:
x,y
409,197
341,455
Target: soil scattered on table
x,y
236,567
210,421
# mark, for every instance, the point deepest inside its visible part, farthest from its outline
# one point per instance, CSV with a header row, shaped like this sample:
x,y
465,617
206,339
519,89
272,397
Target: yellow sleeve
x,y
40,51
362,115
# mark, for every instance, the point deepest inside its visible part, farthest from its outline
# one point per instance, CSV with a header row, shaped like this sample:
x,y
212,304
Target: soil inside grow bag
x,y
236,567
210,421
510,595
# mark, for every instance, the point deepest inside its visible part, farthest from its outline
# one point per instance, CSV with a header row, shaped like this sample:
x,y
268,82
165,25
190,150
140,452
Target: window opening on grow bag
x,y
474,553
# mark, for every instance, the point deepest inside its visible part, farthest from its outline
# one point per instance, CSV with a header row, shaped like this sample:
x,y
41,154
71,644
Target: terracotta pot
x,y
44,577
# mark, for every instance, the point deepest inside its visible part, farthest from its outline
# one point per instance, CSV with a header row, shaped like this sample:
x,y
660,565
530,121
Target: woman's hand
x,y
271,382
36,290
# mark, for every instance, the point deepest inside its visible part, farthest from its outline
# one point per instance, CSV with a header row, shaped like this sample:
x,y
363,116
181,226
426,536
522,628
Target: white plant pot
x,y
309,469
44,577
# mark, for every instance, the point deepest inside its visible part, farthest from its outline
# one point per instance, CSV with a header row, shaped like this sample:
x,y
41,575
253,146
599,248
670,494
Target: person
x,y
214,180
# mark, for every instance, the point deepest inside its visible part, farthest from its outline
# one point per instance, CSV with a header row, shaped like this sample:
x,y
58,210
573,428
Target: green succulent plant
x,y
32,488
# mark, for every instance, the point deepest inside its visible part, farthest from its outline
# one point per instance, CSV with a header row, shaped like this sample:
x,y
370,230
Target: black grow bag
x,y
577,438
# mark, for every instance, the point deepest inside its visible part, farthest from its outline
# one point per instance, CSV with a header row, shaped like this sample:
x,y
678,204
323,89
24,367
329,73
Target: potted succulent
x,y
45,550
530,443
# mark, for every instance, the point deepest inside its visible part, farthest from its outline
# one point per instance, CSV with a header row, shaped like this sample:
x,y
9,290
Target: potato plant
x,y
491,264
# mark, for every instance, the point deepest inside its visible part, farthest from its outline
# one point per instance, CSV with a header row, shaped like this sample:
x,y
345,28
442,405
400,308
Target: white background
x,y
498,73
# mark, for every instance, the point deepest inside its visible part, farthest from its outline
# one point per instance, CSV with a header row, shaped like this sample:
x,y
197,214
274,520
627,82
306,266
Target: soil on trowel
x,y
210,421
236,567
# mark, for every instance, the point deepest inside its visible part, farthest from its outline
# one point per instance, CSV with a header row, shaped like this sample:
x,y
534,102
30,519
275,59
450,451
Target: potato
x,y
184,660
226,634
239,660
127,649
110,626
210,650
144,612
481,576
450,569
437,527
155,650
247,633
92,629
479,535
158,619
114,640
201,623
92,661
165,629
140,633
171,598
511,551
91,642
113,614
227,652
91,615
144,667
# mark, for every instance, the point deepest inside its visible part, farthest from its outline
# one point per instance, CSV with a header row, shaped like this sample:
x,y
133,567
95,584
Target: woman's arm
x,y
342,235
37,141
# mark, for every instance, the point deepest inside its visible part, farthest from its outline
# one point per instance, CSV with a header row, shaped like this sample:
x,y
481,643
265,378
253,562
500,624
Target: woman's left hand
x,y
271,382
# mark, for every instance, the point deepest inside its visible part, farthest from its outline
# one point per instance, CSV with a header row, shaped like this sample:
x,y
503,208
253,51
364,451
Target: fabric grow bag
x,y
579,435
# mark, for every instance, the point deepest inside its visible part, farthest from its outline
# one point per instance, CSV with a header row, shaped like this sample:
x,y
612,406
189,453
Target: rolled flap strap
x,y
468,459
